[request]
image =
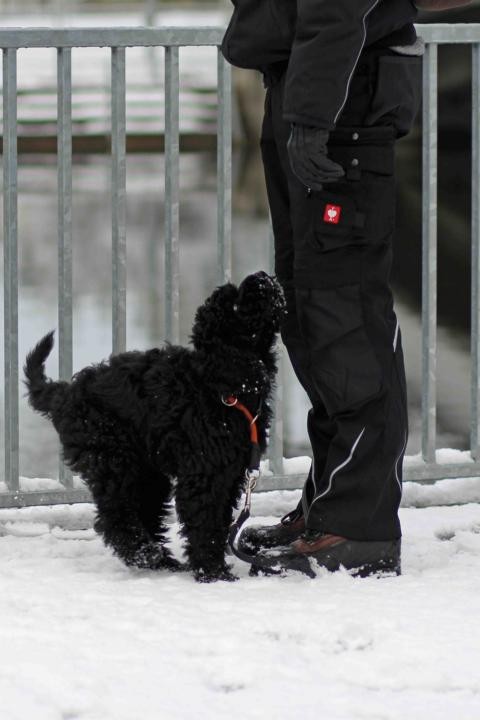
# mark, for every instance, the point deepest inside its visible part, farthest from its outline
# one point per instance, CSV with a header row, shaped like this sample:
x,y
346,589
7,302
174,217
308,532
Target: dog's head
x,y
247,316
260,305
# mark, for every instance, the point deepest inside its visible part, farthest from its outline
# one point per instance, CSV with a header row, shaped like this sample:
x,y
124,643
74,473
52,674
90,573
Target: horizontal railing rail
x,y
120,37
171,39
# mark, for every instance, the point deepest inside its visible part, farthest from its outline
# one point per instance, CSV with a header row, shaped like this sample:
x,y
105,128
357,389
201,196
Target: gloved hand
x,y
307,151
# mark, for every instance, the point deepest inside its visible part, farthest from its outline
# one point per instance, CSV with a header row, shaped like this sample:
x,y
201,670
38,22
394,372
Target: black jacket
x,y
322,40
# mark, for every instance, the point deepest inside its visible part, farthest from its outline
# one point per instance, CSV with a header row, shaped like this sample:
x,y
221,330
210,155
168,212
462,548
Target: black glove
x,y
307,151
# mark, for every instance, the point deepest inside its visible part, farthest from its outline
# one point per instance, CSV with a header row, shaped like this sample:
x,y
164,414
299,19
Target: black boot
x,y
258,537
315,549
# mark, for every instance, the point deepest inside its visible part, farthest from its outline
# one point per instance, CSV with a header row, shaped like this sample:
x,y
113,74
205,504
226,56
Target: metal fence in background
x,y
172,38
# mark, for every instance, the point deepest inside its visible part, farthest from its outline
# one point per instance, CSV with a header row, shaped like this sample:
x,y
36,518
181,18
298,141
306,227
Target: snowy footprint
x,y
451,534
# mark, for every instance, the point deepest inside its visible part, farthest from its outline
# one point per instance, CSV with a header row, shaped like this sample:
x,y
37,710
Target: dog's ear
x,y
215,319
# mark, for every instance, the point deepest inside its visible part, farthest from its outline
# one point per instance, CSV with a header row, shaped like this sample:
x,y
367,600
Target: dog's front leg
x,y
204,505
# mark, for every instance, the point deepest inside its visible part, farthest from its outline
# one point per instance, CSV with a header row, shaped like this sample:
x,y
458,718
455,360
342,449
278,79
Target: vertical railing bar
x,y
275,444
119,192
429,253
172,164
224,170
475,271
64,153
10,225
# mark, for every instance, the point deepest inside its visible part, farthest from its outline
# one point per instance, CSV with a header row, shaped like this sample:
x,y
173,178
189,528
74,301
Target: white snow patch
x,y
44,484
84,637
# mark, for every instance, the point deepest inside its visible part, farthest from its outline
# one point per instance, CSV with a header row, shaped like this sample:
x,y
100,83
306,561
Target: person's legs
x,y
340,343
342,335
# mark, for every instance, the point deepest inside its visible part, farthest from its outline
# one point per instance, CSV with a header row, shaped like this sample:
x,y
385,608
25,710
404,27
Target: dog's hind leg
x,y
130,497
205,504
154,506
131,512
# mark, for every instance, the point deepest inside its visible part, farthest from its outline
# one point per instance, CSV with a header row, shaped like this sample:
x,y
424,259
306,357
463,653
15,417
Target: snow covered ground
x,y
84,638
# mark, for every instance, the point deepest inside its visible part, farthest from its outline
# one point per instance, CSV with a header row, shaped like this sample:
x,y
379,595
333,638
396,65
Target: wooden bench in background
x,y
37,119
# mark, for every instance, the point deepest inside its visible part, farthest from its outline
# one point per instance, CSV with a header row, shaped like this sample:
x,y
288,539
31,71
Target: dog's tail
x,y
43,393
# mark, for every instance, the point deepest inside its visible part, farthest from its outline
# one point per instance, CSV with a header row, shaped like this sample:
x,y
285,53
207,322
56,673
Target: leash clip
x,y
252,477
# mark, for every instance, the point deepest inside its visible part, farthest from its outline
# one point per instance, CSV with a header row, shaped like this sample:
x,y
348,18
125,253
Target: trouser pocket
x,y
336,222
359,209
343,364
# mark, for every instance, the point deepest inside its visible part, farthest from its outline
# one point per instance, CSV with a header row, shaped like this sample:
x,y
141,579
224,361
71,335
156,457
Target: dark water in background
x,y
145,319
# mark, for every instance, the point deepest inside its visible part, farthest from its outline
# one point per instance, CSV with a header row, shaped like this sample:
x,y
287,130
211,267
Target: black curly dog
x,y
142,424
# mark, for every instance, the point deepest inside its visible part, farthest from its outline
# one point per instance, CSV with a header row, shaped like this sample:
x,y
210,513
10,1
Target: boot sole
x,y
363,558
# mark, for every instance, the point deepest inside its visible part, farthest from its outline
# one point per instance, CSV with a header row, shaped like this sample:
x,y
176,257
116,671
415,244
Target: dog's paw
x,y
153,558
228,576
174,565
207,576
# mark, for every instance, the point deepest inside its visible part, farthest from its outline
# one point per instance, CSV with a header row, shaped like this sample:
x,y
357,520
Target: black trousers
x,y
333,255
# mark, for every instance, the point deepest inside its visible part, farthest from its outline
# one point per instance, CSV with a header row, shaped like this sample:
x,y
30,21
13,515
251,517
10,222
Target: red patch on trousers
x,y
332,214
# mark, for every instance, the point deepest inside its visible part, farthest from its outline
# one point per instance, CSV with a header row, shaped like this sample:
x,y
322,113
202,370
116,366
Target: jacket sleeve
x,y
329,38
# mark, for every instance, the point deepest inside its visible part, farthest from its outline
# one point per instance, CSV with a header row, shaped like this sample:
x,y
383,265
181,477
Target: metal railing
x,y
171,38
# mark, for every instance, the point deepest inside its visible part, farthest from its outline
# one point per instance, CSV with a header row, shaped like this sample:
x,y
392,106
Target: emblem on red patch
x,y
332,214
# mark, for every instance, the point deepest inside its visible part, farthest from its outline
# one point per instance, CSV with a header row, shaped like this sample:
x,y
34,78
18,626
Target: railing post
x,y
64,153
10,239
475,271
172,163
429,254
224,170
119,196
275,444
